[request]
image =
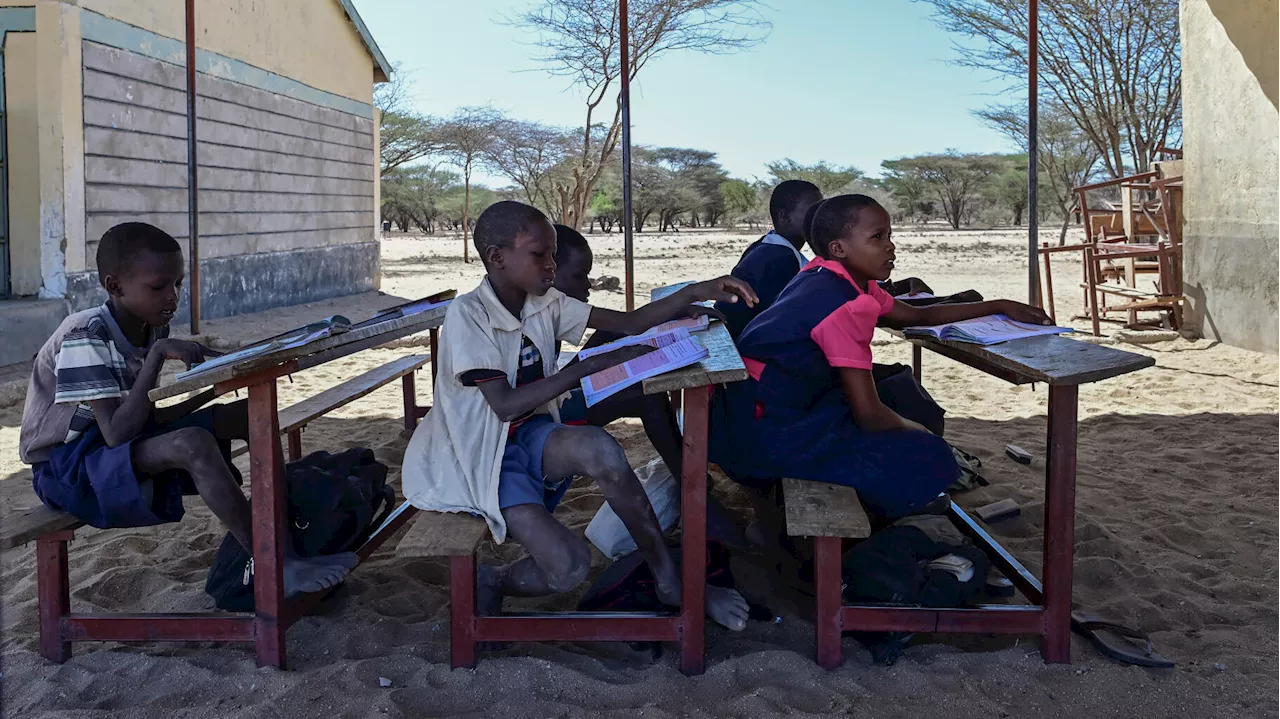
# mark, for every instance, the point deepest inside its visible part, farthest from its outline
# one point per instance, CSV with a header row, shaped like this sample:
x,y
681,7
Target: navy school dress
x,y
791,418
767,264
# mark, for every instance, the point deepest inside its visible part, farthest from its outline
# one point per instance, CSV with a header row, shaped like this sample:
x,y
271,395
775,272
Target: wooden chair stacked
x,y
1140,237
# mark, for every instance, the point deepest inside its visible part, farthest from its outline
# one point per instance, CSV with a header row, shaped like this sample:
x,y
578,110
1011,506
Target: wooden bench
x,y
456,536
33,522
830,514
294,419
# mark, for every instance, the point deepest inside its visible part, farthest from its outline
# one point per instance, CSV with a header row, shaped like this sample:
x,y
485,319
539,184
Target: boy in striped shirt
x,y
100,450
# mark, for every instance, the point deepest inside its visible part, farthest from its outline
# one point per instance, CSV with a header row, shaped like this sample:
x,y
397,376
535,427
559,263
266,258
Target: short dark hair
x,y
832,219
569,241
502,222
788,194
121,246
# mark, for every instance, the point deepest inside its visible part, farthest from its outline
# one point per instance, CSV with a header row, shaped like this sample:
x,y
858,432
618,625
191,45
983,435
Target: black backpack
x,y
892,567
335,501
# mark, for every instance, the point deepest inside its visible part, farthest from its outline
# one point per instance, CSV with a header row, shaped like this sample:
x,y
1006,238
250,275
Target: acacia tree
x,y
955,179
530,154
581,41
1067,157
466,138
830,179
405,135
1112,66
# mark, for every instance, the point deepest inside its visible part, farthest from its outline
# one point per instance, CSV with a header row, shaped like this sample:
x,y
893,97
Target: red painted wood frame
x,y
1049,615
267,626
687,627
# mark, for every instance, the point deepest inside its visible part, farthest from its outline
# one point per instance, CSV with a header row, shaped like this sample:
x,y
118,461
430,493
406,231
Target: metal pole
x,y
628,247
193,196
1033,144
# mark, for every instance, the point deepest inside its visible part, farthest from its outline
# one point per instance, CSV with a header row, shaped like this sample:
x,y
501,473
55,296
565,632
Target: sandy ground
x,y
1176,533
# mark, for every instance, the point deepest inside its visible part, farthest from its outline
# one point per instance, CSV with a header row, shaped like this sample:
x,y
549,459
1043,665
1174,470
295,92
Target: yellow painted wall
x,y
310,41
1231,128
23,140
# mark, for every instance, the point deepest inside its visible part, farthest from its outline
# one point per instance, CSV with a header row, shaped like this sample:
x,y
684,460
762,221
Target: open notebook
x,y
989,330
676,348
327,327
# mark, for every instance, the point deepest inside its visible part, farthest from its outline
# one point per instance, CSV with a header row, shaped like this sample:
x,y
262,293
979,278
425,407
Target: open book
x,y
410,308
683,351
662,335
327,327
989,330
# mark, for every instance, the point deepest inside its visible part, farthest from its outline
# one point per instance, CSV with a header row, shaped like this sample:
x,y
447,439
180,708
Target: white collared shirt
x,y
453,460
773,238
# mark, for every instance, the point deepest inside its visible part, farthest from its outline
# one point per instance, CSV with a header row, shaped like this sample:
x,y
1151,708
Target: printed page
x,y
988,330
657,340
615,379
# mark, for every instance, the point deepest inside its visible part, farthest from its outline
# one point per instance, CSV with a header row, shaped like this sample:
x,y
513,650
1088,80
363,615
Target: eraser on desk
x,y
1017,454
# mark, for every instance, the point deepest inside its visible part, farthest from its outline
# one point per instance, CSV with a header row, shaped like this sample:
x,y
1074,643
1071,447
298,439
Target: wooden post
x,y
53,587
193,193
827,620
1059,522
266,472
628,244
1048,288
1033,145
693,528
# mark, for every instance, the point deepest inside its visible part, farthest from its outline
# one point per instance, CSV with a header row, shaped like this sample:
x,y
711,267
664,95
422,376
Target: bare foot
x,y
302,576
348,560
727,608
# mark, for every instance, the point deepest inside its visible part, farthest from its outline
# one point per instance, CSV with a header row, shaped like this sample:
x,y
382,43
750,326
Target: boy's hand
x,y
1024,313
723,289
696,311
189,353
612,359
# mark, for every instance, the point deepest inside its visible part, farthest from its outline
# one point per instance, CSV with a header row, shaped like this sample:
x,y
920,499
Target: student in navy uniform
x,y
770,262
810,409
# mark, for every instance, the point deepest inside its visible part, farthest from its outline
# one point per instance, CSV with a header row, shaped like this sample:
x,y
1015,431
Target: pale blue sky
x,y
852,82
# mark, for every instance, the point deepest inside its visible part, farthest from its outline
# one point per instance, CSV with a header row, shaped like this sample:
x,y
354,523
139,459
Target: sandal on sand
x,y
1118,647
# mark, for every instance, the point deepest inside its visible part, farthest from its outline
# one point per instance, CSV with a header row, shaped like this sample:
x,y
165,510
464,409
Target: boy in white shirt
x,y
493,444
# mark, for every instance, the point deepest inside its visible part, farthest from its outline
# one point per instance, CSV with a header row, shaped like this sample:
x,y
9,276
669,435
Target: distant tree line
x,y
1110,89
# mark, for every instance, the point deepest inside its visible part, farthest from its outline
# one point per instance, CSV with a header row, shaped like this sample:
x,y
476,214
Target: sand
x,y
1176,533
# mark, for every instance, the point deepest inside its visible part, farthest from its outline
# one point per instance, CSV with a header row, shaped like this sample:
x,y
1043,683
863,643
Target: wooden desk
x,y
266,627
1063,364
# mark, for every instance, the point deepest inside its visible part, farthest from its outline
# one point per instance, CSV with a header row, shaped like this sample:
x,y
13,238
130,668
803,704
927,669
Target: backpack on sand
x,y
334,503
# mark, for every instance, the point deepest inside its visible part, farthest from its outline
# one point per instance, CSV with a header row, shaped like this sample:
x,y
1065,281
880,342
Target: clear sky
x,y
851,82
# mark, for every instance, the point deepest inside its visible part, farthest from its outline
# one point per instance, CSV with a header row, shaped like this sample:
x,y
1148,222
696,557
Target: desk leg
x,y
1059,523
693,530
916,361
266,472
410,402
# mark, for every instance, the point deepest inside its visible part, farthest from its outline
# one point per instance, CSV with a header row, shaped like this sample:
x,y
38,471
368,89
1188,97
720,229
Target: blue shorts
x,y
520,480
97,483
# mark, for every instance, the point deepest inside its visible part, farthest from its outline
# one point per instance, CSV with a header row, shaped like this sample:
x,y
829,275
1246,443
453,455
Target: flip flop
x,y
1119,648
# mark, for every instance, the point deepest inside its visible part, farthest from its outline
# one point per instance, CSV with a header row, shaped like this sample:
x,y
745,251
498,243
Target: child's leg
x,y
657,415
592,452
558,559
196,452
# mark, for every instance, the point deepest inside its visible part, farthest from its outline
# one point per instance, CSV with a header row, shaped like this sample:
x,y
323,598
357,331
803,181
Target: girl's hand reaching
x,y
723,289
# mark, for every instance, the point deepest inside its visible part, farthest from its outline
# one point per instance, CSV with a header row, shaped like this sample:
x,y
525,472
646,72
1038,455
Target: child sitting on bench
x,y
494,445
770,262
810,409
100,450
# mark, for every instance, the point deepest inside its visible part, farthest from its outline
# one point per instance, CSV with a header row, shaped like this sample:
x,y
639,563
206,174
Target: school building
x,y
1231,149
93,132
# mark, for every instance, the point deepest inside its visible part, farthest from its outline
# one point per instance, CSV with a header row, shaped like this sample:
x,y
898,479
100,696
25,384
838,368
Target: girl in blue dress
x,y
810,409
